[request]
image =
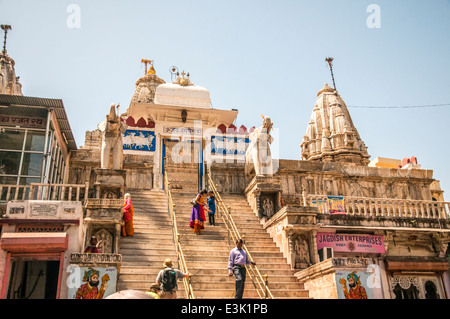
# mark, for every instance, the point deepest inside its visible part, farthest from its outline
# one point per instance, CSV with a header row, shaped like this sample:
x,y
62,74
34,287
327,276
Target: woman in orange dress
x,y
127,216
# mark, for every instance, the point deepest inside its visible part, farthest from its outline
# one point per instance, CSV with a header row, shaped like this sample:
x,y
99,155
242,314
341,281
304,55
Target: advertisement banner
x,y
351,243
333,205
336,205
321,205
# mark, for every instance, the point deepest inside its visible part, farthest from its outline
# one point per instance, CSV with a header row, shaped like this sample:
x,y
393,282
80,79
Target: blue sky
x,y
256,56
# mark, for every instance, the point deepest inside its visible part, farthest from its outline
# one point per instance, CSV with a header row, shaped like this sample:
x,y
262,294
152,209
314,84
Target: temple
x,y
333,224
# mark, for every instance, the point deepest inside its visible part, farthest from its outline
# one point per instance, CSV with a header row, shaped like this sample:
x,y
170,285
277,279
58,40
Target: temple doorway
x,y
183,162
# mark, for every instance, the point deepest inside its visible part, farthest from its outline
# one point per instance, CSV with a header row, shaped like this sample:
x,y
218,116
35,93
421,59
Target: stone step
x,y
248,294
150,207
230,284
137,269
209,257
149,274
146,261
148,253
146,238
272,273
149,233
224,247
144,245
224,265
161,221
149,226
224,252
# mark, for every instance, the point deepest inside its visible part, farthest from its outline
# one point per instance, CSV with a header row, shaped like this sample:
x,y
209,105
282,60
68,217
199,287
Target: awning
x,y
34,242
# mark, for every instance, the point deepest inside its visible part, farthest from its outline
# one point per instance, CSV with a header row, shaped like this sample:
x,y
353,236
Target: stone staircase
x,y
144,253
207,254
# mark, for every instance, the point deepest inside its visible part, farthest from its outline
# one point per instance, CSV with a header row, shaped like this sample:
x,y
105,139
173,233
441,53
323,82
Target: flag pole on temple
x,y
330,64
5,28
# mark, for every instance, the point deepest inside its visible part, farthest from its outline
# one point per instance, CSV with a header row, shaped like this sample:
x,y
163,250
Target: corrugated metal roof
x,y
32,106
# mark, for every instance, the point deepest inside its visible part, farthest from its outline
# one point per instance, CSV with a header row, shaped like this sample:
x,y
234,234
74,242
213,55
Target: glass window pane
x,y
11,139
9,162
29,180
32,164
35,141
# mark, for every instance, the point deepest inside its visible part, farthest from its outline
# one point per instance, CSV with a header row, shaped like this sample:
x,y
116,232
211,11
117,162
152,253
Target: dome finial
x,y
152,69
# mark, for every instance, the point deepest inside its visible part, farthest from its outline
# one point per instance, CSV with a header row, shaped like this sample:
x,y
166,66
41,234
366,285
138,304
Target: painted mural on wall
x,y
229,145
139,140
93,282
354,285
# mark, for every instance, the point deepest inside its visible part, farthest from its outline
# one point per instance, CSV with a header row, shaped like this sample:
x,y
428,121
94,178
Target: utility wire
x,y
398,107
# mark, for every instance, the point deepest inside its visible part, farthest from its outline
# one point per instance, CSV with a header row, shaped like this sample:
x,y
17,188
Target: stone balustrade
x,y
383,207
44,191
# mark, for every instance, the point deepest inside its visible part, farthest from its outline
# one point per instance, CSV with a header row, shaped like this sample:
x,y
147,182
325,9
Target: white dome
x,y
178,95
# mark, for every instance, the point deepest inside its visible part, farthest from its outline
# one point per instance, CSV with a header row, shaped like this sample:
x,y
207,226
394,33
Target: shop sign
x,y
355,243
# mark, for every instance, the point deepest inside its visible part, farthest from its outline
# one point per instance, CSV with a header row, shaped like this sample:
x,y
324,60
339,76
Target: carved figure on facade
x,y
112,144
301,249
440,242
267,207
106,240
258,158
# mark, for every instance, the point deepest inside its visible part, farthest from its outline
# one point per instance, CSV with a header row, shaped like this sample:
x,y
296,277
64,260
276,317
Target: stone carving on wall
x,y
258,158
427,287
267,207
106,245
301,250
440,242
112,144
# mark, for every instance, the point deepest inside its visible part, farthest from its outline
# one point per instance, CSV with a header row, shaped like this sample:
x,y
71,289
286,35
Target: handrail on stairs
x,y
176,238
259,282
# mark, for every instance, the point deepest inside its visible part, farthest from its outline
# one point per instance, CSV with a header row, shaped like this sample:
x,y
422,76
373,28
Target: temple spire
x,y
9,82
331,134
